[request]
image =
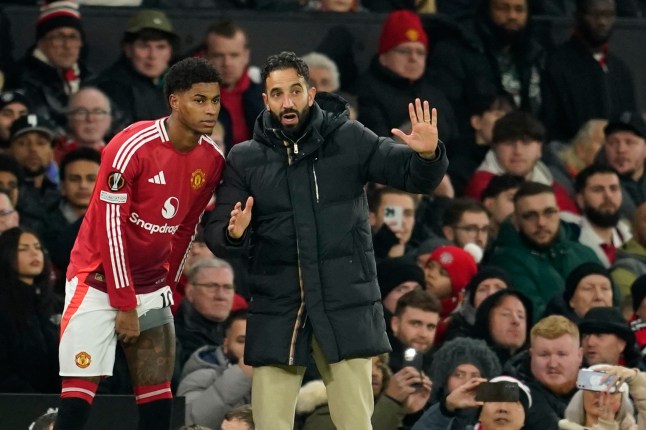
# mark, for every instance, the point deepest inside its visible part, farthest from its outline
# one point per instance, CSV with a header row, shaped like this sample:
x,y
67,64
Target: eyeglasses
x,y
82,113
419,52
59,39
213,286
6,212
534,215
473,229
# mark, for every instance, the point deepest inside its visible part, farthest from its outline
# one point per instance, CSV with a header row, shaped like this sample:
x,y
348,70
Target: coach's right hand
x,y
240,219
127,326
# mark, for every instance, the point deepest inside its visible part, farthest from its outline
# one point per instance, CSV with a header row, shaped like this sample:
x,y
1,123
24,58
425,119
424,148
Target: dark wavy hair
x,y
285,60
188,72
17,301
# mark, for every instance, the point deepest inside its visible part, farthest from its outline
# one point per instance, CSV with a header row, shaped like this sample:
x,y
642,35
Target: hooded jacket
x,y
212,386
539,274
312,268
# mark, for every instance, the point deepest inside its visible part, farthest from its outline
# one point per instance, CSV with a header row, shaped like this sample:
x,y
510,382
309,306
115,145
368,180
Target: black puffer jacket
x,y
312,268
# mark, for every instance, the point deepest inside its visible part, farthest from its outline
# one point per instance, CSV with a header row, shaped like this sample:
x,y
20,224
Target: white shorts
x,y
88,338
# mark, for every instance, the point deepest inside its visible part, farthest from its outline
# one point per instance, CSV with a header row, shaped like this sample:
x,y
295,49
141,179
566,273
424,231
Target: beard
x,y
293,131
232,358
32,173
537,246
505,37
602,219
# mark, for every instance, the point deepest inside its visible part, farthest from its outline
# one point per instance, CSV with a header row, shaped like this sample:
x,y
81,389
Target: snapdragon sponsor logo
x,y
150,227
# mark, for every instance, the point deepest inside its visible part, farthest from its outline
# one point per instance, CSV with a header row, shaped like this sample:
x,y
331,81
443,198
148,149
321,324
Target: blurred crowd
x,y
526,264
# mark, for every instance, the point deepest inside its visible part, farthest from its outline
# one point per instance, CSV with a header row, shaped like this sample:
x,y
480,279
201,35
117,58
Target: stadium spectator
x,y
89,118
134,82
498,199
584,78
606,338
631,257
11,178
28,358
9,217
53,69
203,312
240,418
534,246
392,217
396,76
13,104
516,148
466,221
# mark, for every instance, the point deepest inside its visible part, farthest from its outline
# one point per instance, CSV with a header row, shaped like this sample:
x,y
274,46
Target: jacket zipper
x,y
316,182
292,346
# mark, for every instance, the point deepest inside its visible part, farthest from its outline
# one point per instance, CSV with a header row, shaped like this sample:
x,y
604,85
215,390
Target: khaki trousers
x,y
349,388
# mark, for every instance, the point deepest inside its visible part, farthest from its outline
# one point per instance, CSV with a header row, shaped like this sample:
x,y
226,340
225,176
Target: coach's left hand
x,y
127,326
423,138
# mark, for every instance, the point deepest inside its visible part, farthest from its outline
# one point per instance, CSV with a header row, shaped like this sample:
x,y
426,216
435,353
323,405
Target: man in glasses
x,y
53,71
466,221
89,118
206,306
534,247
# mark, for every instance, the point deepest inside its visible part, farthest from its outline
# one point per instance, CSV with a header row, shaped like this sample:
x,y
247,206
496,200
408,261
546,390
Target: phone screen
x,y
590,380
501,391
393,216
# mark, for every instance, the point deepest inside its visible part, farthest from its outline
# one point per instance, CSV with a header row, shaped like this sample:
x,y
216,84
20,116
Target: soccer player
x,y
155,180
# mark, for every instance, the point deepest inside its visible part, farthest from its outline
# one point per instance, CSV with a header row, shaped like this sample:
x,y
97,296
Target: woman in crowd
x,y
29,335
604,410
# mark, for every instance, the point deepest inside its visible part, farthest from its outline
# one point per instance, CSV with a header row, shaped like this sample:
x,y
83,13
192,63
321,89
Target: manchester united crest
x,y
198,178
83,359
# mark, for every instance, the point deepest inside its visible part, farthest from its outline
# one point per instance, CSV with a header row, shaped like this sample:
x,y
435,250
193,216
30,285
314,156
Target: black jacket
x,y
312,268
576,89
135,96
547,407
383,99
193,331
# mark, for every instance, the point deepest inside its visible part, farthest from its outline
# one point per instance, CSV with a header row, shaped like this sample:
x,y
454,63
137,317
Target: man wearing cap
x,y
588,285
135,81
52,71
13,104
583,78
606,338
31,145
625,151
396,75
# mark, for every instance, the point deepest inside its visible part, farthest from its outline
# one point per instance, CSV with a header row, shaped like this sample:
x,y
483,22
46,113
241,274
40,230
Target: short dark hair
x,y
377,194
10,164
492,101
499,184
517,125
581,179
282,61
418,299
188,72
226,28
241,413
458,207
529,188
239,314
85,154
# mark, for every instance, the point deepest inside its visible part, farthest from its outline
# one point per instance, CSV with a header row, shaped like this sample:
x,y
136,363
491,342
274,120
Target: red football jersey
x,y
146,204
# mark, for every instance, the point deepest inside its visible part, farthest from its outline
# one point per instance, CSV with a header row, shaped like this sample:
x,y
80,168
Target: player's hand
x,y
240,219
127,326
464,396
424,136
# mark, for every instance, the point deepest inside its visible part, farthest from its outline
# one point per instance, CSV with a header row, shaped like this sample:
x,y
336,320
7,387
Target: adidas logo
x,y
158,178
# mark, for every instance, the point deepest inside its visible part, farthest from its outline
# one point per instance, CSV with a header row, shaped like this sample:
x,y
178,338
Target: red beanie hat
x,y
459,264
401,26
56,14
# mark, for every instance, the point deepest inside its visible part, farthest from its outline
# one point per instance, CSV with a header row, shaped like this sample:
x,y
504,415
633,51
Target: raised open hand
x,y
240,219
423,138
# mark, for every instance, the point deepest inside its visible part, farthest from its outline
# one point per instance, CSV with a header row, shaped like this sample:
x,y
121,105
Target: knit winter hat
x,y
13,96
580,272
458,263
56,14
490,272
458,351
401,26
395,271
638,291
